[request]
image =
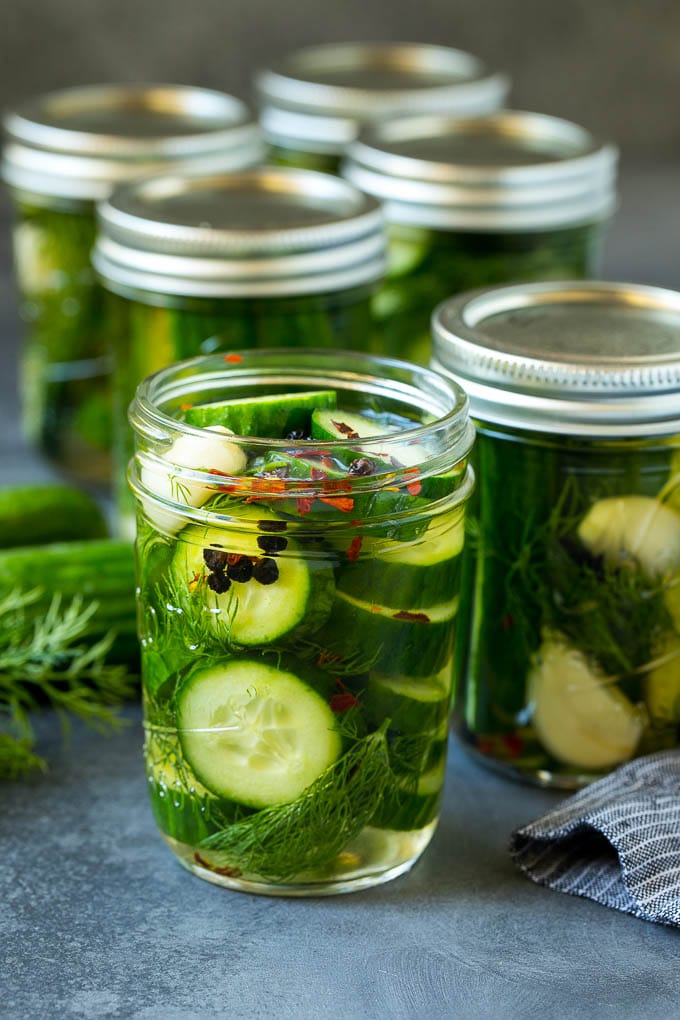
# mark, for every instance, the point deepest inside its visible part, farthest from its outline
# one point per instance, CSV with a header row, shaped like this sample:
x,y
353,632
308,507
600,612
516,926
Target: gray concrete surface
x,y
98,920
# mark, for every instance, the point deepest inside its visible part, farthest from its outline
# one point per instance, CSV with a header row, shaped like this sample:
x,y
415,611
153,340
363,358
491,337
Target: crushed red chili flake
x,y
345,504
346,430
185,407
343,702
303,504
327,656
513,744
317,474
227,872
406,614
507,621
336,485
233,358
413,488
354,549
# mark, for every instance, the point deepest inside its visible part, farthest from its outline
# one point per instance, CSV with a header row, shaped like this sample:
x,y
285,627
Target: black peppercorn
x,y
241,569
265,571
215,559
272,525
272,543
219,582
360,466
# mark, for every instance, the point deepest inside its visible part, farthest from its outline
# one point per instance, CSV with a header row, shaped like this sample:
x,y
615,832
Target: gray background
x,y
611,64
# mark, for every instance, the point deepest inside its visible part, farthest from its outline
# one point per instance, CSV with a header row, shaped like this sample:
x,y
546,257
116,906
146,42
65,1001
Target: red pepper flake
x,y
356,524
343,702
507,621
513,744
185,407
327,656
413,488
304,505
346,430
336,485
354,549
376,609
227,872
345,504
317,474
233,358
405,614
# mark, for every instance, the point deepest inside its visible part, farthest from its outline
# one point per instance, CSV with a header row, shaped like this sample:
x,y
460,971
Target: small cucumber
x,y
256,733
269,417
40,514
413,705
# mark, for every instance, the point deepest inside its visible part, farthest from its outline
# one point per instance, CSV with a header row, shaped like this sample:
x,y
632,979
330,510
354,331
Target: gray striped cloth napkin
x,y
616,842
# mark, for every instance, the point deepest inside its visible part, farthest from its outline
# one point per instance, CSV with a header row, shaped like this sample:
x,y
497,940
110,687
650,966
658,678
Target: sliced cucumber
x,y
634,527
413,805
418,573
412,704
389,639
662,684
271,417
256,733
580,716
251,613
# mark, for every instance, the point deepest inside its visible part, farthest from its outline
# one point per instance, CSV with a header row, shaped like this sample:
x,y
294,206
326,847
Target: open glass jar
x,y
298,604
571,657
64,151
470,203
314,100
270,257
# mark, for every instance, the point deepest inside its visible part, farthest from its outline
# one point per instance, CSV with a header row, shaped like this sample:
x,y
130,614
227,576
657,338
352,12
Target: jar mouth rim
x,y
449,436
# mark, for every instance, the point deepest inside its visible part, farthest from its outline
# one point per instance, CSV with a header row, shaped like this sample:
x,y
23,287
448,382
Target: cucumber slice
x,y
255,733
581,718
662,684
412,704
251,613
391,640
409,805
271,417
634,527
418,573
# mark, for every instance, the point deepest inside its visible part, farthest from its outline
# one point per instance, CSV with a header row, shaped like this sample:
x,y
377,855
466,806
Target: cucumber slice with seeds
x,y
251,613
273,416
256,733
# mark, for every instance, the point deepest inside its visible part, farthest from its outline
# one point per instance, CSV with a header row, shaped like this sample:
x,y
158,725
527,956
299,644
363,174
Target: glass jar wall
x,y
63,152
470,203
570,664
298,603
290,259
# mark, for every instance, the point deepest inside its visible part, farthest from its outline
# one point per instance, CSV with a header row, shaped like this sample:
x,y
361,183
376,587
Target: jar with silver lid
x,y
63,152
471,203
570,658
314,100
270,257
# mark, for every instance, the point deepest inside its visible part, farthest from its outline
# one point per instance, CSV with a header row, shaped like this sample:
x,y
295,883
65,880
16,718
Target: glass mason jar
x,y
313,102
271,257
298,603
63,152
470,203
571,661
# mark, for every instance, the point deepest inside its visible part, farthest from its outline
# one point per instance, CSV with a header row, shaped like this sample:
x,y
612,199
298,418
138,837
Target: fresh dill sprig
x,y
49,660
280,842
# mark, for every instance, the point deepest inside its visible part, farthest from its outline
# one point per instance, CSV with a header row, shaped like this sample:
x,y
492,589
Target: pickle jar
x,y
470,203
271,257
298,604
314,100
570,663
64,151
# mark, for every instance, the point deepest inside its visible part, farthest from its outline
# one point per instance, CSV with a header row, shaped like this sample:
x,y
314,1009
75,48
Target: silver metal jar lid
x,y
269,231
79,143
510,171
578,358
315,99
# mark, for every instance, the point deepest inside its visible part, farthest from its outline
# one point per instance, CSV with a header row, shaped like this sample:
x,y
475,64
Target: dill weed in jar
x,y
298,605
270,257
314,100
571,661
64,151
469,203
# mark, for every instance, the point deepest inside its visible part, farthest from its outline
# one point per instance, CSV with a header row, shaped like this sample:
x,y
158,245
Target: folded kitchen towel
x,y
617,841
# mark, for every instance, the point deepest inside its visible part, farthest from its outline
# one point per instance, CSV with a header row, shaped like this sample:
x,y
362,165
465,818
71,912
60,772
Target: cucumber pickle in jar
x,y
299,538
313,101
570,663
65,151
469,203
270,257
